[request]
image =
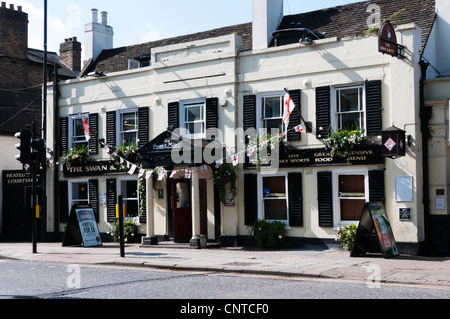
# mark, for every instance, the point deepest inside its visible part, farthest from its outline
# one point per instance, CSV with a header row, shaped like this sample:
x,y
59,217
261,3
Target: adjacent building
x,y
21,78
197,97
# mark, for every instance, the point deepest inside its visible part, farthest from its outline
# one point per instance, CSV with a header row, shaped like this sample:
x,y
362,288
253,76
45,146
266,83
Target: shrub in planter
x,y
129,231
269,234
346,235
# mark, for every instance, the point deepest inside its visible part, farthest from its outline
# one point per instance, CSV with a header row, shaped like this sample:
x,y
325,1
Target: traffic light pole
x,y
33,200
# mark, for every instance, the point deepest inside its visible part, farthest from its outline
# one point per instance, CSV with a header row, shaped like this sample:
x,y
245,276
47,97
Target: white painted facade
x,y
217,68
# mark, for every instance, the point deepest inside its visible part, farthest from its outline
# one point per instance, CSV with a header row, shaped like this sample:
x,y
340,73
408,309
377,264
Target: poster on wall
x,y
374,223
82,228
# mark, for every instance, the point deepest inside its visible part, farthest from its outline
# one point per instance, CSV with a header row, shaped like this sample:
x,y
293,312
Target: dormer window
x,y
138,62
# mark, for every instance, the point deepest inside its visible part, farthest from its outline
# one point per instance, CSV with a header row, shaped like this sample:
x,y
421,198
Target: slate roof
x,y
115,60
351,19
53,58
339,21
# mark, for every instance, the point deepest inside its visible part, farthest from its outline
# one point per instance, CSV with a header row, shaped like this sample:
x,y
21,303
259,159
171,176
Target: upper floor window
x,y
128,127
193,118
350,108
272,112
77,136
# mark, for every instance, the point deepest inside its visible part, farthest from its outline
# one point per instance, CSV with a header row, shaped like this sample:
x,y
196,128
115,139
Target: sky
x,y
139,21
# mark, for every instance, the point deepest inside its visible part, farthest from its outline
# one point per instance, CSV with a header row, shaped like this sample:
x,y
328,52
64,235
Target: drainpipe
x,y
425,116
56,153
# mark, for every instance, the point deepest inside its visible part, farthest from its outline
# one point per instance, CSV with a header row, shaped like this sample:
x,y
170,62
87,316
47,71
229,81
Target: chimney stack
x,y
267,16
97,36
13,32
70,53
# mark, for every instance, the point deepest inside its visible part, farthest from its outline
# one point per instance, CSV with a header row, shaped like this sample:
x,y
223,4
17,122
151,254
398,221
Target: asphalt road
x,y
36,280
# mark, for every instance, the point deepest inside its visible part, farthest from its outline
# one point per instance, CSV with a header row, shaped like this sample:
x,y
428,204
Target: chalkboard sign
x,y
374,225
82,228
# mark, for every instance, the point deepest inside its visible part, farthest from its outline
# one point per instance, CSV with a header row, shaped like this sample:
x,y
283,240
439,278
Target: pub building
x,y
236,80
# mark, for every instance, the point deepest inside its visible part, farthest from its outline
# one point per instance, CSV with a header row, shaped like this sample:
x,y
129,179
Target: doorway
x,y
181,210
17,215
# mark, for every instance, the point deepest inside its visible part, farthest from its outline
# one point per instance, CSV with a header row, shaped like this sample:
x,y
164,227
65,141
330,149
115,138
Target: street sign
x,y
82,228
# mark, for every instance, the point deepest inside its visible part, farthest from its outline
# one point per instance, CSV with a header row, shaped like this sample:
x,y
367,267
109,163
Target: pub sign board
x,y
374,223
82,228
387,41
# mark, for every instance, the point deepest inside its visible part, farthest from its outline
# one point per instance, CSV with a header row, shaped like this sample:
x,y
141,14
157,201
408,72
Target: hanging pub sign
x,y
374,226
387,41
393,141
82,228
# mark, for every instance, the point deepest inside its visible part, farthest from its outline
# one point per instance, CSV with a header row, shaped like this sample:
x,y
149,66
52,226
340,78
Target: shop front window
x,y
275,198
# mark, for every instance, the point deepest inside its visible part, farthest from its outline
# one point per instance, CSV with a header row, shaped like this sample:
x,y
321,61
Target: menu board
x,y
375,223
82,228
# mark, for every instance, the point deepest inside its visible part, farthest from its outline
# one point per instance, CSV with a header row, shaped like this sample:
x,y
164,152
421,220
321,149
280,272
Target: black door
x,y
16,221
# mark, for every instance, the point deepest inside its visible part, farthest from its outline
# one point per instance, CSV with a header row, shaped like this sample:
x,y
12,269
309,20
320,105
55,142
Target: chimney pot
x,y
11,6
19,8
4,4
94,15
104,20
74,38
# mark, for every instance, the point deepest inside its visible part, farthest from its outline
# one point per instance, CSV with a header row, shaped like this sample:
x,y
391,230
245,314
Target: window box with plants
x,y
126,152
77,156
343,141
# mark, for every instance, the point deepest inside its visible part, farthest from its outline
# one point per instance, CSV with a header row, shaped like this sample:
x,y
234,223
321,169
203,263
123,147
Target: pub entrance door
x,y
182,211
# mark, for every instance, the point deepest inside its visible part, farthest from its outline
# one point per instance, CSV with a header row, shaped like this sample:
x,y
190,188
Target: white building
x,y
235,78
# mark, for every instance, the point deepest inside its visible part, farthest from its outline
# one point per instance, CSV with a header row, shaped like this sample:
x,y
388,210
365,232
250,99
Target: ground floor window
x,y
274,197
79,193
352,194
128,188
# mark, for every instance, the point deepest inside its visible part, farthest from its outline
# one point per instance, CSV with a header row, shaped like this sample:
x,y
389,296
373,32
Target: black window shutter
x,y
93,197
143,127
249,112
323,117
295,199
111,192
295,118
174,115
376,186
325,199
212,113
111,128
373,108
93,129
64,130
63,201
251,199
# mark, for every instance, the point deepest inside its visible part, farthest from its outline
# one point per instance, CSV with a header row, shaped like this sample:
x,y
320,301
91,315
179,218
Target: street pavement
x,y
309,262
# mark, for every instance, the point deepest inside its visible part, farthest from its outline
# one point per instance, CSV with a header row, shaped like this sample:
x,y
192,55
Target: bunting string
x,y
250,150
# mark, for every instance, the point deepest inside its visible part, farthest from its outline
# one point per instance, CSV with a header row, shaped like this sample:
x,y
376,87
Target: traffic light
x,y
25,146
38,146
